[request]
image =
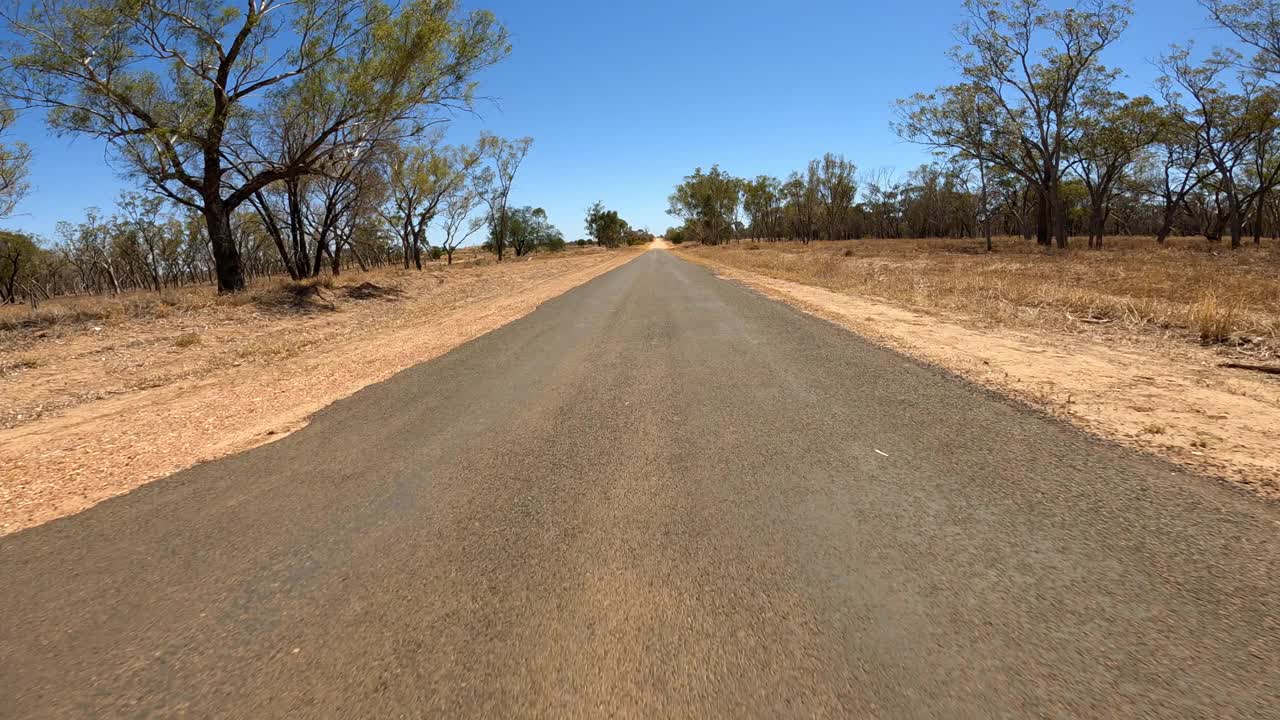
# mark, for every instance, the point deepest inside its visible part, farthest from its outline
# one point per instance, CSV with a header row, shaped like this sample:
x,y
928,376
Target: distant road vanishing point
x,y
659,494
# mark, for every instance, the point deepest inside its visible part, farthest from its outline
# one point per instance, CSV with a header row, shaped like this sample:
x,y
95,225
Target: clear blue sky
x,y
625,98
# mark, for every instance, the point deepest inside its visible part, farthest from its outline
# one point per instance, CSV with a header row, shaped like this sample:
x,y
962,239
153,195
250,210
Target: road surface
x,y
658,495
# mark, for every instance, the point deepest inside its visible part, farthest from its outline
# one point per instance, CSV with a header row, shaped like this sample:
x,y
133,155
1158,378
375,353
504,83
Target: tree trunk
x,y
111,277
322,249
406,238
1097,221
10,295
500,241
1166,222
226,256
364,266
1058,211
1042,218
1258,215
1234,221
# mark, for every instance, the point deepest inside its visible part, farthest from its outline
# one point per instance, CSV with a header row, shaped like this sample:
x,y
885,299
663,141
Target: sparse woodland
x,y
265,138
1035,141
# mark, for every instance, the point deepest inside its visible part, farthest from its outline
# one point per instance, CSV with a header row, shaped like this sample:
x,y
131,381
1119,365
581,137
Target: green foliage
x,y
605,227
1027,69
13,167
492,184
1256,23
1237,129
638,237
708,203
210,102
421,180
528,230
19,256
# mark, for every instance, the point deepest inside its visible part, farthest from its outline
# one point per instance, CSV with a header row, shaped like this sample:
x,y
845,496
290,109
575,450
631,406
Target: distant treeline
x,y
1035,141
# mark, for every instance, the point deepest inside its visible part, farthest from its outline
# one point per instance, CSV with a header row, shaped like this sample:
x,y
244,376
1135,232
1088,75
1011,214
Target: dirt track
x,y
660,494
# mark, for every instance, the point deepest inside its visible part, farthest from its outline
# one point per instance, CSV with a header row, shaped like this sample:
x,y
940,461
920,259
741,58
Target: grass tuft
x,y
1215,318
186,340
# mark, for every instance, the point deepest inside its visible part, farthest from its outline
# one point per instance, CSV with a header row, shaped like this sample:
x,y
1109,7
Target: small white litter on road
x,y
882,453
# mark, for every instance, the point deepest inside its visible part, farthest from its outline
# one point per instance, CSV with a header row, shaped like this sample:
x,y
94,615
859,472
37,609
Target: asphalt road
x,y
658,495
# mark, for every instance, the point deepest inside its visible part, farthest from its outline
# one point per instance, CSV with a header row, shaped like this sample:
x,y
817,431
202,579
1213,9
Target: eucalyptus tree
x,y
1177,164
882,202
348,195
528,229
14,160
959,122
1026,68
1256,23
802,207
1262,169
493,181
1114,130
459,220
179,88
419,178
762,203
19,257
88,246
605,227
1227,122
837,186
984,207
708,203
140,219
937,200
309,217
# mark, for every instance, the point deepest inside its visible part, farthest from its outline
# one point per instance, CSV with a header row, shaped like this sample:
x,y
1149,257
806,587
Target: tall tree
x,y
1228,125
13,168
493,182
1029,67
762,203
528,230
18,254
458,219
419,179
140,220
802,207
605,227
1256,23
708,203
1115,130
181,89
837,188
1178,164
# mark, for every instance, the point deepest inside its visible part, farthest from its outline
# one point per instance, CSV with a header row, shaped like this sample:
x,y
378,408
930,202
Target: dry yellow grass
x,y
1191,288
271,294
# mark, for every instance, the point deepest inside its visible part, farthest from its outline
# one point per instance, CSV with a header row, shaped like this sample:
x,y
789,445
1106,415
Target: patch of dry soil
x,y
97,411
1160,397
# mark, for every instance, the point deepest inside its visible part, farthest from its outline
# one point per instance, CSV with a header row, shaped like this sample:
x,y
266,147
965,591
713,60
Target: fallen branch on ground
x,y
1269,369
